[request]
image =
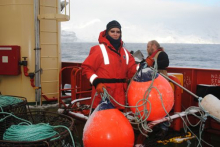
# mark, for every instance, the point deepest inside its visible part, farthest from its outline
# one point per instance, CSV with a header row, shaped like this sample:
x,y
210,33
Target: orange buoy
x,y
107,127
136,95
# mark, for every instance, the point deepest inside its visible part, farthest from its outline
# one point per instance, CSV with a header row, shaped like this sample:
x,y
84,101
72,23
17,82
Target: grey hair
x,y
156,43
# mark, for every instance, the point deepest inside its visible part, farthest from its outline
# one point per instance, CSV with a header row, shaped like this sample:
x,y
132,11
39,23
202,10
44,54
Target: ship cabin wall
x,y
17,27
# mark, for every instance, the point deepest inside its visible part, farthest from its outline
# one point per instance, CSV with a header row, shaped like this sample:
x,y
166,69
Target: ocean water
x,y
180,55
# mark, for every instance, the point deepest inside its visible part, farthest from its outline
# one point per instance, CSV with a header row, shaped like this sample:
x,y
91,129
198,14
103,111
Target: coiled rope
x,y
8,100
26,131
32,132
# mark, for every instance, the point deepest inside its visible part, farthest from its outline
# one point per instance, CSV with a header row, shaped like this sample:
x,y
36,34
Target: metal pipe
x,y
81,99
181,114
178,84
65,7
37,53
69,8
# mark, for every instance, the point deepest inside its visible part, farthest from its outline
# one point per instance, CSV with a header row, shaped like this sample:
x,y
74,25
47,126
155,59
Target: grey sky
x,y
168,21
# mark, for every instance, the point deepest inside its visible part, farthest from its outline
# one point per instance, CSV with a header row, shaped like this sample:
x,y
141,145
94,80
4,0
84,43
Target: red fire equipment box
x,y
9,60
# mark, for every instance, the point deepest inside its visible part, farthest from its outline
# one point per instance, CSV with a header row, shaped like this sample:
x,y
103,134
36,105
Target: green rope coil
x,y
29,132
26,131
9,100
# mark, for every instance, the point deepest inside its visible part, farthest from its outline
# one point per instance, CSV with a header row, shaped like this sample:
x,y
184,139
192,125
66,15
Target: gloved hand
x,y
150,61
142,65
99,88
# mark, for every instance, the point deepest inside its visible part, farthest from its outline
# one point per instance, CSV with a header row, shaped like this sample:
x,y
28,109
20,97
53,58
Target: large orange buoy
x,y
107,127
137,92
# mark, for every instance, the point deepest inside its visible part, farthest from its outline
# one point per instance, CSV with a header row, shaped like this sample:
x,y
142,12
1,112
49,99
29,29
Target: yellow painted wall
x,y
17,28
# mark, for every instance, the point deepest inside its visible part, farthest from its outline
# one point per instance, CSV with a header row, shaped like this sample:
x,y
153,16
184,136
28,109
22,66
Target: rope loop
x,y
140,117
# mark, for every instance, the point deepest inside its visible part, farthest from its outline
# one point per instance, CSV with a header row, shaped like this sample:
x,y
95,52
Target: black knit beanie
x,y
113,24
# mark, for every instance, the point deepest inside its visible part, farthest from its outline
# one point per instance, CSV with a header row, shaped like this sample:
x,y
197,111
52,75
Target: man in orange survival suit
x,y
155,51
109,64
